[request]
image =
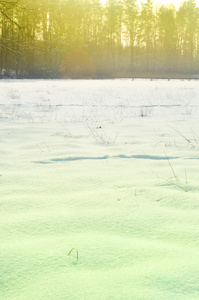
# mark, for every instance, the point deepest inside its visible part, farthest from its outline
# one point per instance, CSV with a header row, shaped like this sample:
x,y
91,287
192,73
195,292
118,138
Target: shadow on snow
x,y
77,158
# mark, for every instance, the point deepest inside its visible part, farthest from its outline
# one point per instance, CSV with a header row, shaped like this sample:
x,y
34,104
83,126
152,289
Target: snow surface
x,y
109,168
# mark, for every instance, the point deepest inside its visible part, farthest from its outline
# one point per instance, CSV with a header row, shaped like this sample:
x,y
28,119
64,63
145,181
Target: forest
x,y
94,39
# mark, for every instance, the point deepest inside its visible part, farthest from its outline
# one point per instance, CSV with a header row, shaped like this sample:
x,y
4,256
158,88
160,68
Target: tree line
x,y
91,39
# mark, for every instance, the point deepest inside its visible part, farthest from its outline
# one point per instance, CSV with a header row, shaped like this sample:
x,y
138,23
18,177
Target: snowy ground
x,y
109,168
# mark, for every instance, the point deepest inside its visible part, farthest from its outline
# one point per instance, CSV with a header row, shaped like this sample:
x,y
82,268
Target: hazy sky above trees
x,y
162,2
166,2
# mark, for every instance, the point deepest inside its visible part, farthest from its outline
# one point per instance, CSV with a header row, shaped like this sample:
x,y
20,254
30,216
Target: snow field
x,y
110,168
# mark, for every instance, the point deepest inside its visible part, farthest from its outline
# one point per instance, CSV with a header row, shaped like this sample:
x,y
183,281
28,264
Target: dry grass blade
x,y
76,253
181,134
175,176
170,182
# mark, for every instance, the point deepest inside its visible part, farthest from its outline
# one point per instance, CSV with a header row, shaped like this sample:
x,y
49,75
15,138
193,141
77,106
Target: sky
x,y
164,2
176,2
